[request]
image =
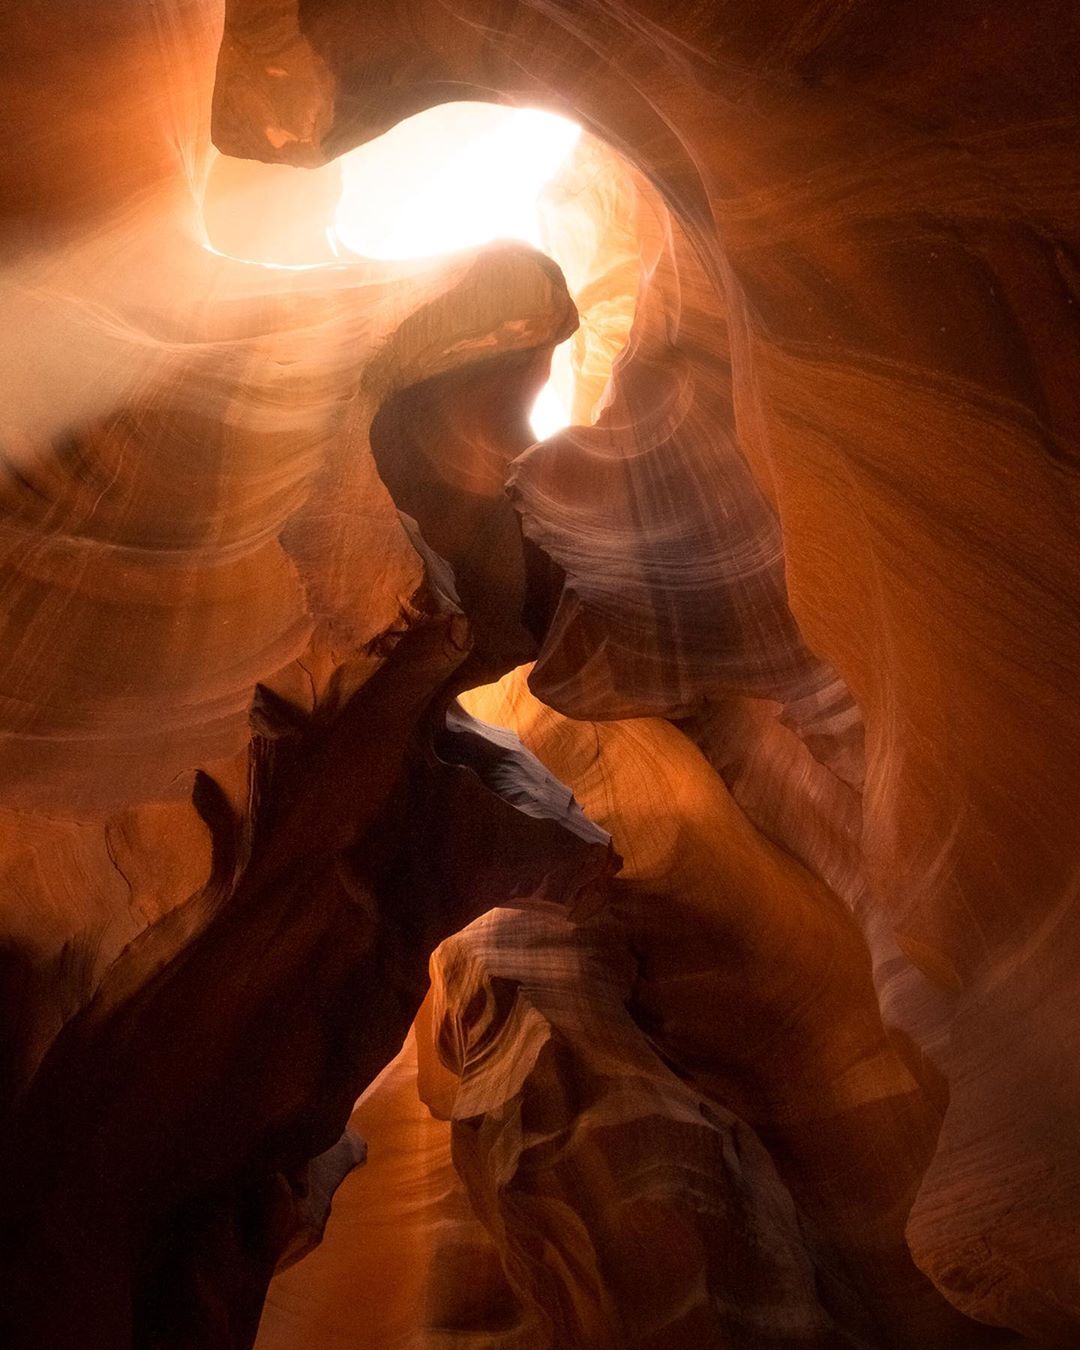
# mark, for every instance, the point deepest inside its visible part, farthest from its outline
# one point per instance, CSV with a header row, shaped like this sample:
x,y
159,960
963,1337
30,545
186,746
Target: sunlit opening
x,y
438,183
458,179
455,178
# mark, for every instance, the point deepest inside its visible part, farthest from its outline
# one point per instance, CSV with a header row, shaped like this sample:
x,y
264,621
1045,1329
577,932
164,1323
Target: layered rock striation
x,y
720,751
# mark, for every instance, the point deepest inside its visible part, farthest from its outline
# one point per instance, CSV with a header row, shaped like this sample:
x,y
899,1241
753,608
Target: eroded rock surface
x,y
792,614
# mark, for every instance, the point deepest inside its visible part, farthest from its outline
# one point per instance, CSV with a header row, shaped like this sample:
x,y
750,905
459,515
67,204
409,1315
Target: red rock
x,y
802,600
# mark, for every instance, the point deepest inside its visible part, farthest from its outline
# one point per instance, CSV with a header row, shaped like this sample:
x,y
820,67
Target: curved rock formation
x,y
627,1213
800,598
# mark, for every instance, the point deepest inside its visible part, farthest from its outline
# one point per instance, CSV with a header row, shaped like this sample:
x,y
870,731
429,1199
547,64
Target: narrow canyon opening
x,y
455,178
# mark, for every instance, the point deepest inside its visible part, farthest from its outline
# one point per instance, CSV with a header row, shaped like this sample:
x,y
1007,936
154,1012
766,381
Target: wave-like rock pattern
x,y
825,522
405,1261
627,1211
235,819
755,983
885,202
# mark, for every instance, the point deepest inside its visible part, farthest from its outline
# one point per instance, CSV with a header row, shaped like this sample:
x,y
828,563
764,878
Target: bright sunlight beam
x,y
456,178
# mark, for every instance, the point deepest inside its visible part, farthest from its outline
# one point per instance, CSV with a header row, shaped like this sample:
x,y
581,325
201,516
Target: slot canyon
x,y
539,679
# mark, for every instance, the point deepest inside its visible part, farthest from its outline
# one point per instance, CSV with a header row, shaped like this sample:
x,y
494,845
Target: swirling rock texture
x,y
720,751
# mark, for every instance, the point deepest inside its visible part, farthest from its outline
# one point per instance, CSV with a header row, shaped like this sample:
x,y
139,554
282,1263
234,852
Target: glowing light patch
x,y
549,413
457,177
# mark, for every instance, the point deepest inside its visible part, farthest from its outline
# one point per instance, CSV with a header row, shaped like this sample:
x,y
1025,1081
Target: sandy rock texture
x,y
719,751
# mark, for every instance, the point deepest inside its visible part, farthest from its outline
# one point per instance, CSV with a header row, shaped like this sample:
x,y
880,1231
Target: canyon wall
x,y
720,752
